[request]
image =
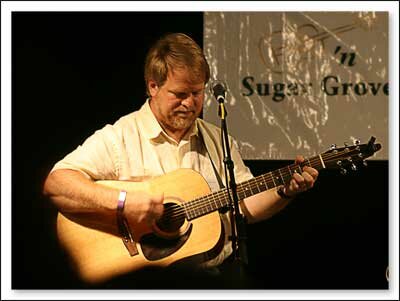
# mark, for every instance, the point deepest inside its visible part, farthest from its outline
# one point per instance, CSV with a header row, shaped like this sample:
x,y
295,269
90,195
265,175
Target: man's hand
x,y
301,182
142,207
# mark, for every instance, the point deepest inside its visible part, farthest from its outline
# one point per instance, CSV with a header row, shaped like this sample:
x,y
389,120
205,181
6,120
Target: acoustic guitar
x,y
190,228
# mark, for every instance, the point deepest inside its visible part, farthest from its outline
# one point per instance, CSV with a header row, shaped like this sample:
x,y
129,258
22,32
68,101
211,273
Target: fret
x,y
280,173
215,205
290,171
187,212
241,193
251,190
202,208
272,177
277,178
246,190
265,182
253,187
257,185
211,204
217,199
222,198
225,196
193,206
251,184
269,181
193,211
218,202
208,205
260,186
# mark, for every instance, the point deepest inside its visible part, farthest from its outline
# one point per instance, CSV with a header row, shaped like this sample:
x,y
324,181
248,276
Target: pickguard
x,y
155,247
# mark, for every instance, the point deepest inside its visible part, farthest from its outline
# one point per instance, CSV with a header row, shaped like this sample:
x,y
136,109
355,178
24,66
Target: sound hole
x,y
172,219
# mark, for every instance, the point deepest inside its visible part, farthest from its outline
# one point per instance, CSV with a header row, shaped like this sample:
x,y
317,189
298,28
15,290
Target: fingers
x,y
299,159
303,181
311,171
143,207
154,209
158,206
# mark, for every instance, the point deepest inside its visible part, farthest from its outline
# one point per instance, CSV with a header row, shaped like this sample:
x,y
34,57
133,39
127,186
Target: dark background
x,y
75,72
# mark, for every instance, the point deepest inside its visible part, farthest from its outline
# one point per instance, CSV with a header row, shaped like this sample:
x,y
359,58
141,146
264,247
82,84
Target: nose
x,y
189,101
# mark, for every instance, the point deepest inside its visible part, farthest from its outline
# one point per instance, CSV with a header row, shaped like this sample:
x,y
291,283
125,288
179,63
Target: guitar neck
x,y
220,199
276,178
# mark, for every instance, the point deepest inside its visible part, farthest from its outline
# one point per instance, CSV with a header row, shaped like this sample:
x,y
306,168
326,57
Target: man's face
x,y
178,102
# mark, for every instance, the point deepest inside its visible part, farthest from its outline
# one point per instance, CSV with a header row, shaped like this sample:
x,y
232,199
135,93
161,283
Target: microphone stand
x,y
238,223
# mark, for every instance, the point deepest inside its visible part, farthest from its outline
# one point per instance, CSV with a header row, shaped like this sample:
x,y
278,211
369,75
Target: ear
x,y
153,87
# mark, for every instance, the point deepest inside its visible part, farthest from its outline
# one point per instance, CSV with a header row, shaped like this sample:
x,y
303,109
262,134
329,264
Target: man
x,y
164,135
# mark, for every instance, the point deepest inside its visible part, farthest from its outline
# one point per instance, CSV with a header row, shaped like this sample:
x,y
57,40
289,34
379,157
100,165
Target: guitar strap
x,y
220,183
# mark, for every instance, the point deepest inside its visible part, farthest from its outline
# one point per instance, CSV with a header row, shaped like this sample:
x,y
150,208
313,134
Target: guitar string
x,y
195,205
253,183
201,203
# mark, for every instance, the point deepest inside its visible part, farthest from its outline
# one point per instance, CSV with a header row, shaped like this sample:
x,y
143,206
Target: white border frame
x,y
7,7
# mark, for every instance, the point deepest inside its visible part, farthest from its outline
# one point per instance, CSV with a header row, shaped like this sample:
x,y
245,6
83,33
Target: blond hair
x,y
175,51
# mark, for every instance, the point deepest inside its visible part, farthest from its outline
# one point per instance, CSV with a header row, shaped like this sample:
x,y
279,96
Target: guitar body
x,y
99,256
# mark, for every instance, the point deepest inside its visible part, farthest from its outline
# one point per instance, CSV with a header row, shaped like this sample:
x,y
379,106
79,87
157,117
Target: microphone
x,y
219,90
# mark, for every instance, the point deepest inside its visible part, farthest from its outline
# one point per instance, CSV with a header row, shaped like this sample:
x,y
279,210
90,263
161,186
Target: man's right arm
x,y
76,195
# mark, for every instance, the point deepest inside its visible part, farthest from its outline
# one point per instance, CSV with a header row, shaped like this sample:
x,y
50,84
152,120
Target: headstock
x,y
349,155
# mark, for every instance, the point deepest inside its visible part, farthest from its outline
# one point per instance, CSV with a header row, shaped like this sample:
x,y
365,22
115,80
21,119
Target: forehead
x,y
183,78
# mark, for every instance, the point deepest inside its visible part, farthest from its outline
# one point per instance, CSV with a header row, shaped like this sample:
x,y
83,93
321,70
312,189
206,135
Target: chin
x,y
182,123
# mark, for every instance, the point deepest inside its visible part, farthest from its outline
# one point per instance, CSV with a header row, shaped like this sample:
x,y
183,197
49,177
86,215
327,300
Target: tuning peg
x,y
343,171
353,167
365,163
333,146
346,144
357,142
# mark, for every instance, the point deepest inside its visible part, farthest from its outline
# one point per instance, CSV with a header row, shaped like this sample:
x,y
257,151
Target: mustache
x,y
184,110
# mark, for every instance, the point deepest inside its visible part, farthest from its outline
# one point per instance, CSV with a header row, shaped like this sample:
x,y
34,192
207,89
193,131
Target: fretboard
x,y
220,199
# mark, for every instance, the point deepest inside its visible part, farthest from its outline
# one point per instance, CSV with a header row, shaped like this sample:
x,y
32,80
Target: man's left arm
x,y
265,204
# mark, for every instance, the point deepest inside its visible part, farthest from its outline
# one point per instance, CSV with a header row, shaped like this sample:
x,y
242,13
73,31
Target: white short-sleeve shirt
x,y
136,147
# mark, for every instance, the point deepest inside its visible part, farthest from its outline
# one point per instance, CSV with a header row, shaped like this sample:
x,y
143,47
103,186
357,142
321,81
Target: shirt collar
x,y
152,130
